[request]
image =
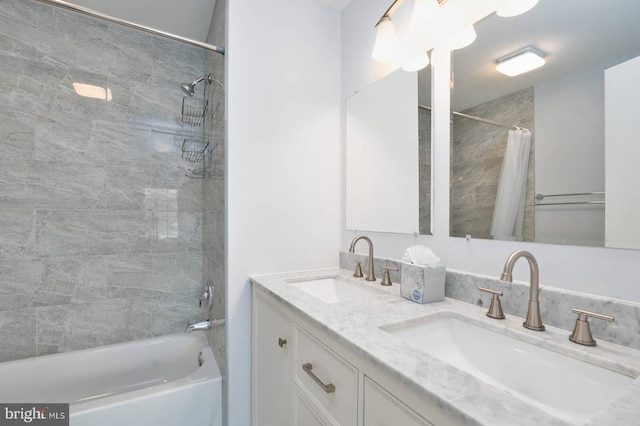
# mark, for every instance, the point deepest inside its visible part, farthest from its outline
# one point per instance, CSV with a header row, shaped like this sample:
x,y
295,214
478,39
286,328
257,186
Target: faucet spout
x,y
203,325
534,320
371,276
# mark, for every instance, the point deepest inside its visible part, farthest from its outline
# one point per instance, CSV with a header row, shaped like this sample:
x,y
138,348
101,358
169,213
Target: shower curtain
x,y
508,213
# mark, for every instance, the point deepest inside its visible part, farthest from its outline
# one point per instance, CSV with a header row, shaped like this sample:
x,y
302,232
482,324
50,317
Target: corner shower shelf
x,y
199,172
194,150
193,110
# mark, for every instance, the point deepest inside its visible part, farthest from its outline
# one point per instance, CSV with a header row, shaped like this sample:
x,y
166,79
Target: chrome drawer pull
x,y
330,388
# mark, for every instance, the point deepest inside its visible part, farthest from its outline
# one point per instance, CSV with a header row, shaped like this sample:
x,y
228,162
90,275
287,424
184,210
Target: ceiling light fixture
x,y
520,62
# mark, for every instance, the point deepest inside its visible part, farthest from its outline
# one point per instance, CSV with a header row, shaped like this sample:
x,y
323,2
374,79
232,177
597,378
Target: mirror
x,y
388,156
572,195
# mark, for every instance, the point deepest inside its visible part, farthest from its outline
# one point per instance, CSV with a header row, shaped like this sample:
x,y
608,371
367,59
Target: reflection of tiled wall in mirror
x,y
477,150
424,171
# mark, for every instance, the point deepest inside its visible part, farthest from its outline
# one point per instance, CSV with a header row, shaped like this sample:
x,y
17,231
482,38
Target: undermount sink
x,y
333,289
567,387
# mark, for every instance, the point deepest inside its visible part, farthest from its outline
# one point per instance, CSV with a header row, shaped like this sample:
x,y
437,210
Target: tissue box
x,y
422,284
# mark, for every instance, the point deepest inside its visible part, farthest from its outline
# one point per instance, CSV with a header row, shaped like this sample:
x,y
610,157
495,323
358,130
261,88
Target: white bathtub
x,y
154,382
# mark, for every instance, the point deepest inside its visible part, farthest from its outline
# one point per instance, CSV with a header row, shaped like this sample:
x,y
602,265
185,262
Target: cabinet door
x,y
304,415
272,366
383,409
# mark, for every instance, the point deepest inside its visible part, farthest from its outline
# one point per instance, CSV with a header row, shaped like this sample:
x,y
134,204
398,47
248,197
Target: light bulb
x,y
416,63
385,47
509,8
424,12
460,38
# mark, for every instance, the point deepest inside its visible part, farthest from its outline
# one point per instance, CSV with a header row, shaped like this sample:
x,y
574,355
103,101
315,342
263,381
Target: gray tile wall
x,y
477,151
214,224
100,229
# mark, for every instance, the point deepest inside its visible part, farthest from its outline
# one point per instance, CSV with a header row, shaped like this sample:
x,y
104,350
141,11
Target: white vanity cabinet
x,y
271,361
383,409
314,380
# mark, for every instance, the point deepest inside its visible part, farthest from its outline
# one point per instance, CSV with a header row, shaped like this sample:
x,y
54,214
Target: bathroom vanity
x,y
332,349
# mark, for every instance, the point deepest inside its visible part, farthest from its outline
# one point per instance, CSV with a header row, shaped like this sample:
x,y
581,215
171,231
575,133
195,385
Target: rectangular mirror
x,y
569,193
388,156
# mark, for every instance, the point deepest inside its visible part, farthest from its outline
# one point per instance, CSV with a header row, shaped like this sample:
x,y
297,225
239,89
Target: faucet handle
x,y
495,308
386,278
582,332
207,295
358,272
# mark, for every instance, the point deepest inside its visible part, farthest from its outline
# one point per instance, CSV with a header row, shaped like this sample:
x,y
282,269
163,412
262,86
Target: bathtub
x,y
157,381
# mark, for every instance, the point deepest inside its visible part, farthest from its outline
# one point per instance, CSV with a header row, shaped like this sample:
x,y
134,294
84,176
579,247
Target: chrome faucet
x,y
533,321
371,276
203,325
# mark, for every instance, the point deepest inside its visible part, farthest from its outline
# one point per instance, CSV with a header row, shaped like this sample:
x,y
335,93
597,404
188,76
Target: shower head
x,y
190,88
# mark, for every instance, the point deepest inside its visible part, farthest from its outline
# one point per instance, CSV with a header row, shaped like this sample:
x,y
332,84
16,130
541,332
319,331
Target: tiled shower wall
x,y
477,150
100,229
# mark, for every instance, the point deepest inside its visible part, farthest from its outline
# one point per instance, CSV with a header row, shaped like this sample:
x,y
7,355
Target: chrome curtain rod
x,y
471,117
104,17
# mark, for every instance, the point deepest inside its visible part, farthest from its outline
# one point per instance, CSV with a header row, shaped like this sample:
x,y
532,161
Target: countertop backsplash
x,y
555,303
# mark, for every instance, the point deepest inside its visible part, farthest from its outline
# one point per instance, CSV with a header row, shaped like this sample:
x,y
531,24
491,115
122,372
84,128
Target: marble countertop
x,y
465,397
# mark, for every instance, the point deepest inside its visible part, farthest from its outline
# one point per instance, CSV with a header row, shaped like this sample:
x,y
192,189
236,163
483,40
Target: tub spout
x,y
203,325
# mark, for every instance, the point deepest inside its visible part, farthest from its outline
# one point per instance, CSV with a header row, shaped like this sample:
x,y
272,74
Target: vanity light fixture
x,y
416,63
461,38
423,12
509,8
520,61
386,45
443,24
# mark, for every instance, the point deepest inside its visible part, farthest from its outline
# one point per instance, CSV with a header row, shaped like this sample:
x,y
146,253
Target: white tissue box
x,y
422,284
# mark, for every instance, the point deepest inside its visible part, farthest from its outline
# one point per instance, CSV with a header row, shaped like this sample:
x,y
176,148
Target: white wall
x,y
609,272
283,157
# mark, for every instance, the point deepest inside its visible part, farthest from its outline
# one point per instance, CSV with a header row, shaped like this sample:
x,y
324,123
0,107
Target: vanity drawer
x,y
327,379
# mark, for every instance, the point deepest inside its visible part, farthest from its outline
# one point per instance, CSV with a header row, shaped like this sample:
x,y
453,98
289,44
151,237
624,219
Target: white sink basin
x,y
333,289
569,388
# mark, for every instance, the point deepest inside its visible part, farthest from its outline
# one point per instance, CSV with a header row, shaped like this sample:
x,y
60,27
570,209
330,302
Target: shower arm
x,y
207,77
